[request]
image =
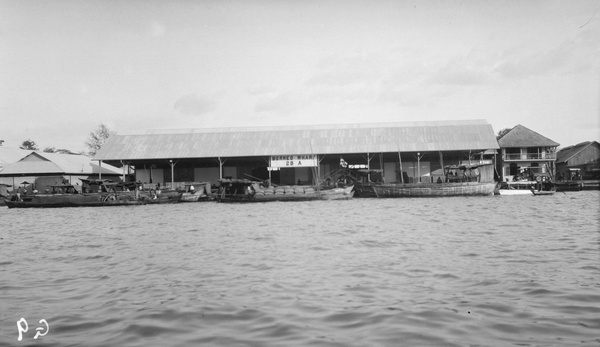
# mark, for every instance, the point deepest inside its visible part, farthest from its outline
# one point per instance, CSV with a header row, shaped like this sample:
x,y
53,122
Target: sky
x,y
68,66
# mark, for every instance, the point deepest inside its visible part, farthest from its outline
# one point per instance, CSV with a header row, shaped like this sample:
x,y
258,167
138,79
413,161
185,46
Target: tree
x,y
97,139
502,132
29,145
58,151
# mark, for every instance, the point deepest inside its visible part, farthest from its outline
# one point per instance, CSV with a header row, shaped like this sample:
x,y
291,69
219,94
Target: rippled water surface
x,y
481,271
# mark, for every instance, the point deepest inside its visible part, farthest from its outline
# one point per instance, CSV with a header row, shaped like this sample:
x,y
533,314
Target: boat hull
x,y
72,200
434,189
510,192
526,188
329,194
197,192
543,192
168,198
364,190
195,197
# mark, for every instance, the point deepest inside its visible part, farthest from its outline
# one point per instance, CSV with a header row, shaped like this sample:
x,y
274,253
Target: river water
x,y
464,271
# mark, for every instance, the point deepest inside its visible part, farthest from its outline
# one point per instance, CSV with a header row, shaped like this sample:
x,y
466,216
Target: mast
x,y
442,165
317,170
172,173
401,171
368,167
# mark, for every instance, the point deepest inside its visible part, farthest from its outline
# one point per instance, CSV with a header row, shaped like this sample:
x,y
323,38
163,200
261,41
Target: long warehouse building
x,y
307,154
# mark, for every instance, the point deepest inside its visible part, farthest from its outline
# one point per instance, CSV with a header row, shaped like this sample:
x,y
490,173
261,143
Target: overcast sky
x,y
67,66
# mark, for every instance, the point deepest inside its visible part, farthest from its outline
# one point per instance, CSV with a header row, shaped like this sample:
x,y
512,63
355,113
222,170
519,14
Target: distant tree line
x,y
94,142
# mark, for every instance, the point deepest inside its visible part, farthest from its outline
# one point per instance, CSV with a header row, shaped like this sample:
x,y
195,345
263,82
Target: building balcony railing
x,y
530,156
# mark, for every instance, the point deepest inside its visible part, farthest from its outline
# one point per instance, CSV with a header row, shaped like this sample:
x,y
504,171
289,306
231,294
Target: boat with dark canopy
x,y
93,193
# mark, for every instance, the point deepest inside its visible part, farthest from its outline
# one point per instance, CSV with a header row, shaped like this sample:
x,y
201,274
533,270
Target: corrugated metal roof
x,y
522,137
321,139
49,163
569,152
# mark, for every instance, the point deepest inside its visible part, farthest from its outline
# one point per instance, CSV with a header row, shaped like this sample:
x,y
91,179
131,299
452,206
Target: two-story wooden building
x,y
526,153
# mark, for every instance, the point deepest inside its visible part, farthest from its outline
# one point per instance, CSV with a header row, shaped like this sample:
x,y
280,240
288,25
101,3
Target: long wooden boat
x,y
67,195
149,194
242,190
466,184
408,190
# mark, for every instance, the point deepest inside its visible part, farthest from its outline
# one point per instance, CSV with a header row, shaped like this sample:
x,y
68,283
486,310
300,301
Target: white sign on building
x,y
306,160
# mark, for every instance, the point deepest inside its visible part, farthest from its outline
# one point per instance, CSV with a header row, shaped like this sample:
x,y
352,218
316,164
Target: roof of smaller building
x,y
39,163
523,137
569,152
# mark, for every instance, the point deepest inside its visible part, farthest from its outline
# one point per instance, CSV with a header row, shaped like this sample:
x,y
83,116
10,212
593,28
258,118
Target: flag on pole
x,y
343,162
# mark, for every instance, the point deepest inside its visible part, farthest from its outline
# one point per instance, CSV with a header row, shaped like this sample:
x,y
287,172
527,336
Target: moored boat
x,y
516,188
149,193
466,184
542,185
242,190
160,197
399,190
67,195
196,192
362,179
543,192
